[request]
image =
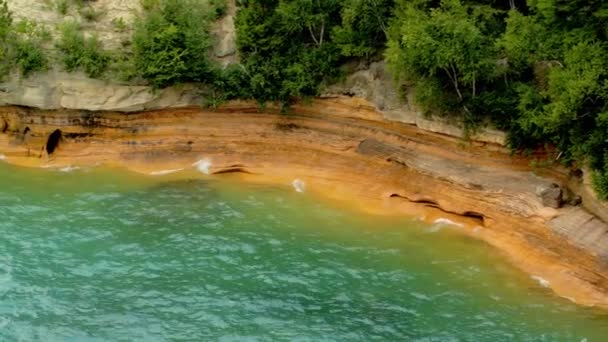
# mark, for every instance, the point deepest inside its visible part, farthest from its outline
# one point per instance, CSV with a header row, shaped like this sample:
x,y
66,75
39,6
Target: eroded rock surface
x,y
584,230
55,90
550,195
375,84
108,14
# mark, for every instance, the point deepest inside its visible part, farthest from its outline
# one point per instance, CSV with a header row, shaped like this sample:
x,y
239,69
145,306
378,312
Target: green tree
x,y
363,28
445,50
171,42
286,47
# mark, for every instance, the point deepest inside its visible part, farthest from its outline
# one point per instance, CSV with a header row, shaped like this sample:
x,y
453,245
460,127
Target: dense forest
x,y
537,69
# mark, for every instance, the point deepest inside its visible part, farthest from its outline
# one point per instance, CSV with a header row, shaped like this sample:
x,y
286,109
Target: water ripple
x,y
195,261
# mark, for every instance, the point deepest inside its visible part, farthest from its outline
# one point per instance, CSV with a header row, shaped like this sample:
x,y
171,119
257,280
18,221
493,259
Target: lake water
x,y
102,255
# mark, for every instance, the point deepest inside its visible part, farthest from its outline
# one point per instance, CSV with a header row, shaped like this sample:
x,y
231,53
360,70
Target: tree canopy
x,y
538,69
291,48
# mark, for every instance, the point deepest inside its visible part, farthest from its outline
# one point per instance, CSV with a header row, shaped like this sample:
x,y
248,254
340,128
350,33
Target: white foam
x,y
4,322
420,296
298,185
164,172
2,157
69,168
434,228
446,221
542,281
203,165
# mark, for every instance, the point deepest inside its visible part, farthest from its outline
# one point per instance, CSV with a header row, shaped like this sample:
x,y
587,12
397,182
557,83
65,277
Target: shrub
x,y
600,184
230,83
89,13
20,45
29,56
171,42
119,24
62,6
286,47
6,21
219,7
148,5
80,52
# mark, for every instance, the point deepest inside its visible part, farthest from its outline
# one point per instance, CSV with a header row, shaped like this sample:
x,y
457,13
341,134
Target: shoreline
x,y
346,153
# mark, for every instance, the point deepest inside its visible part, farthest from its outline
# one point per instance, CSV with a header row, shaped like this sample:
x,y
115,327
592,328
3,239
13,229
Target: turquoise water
x,y
97,255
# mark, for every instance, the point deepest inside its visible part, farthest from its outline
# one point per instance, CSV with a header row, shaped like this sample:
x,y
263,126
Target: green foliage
x,y
148,5
292,49
80,52
363,28
522,40
600,183
287,58
600,167
171,42
62,6
220,7
6,22
446,51
30,57
89,13
229,83
20,45
28,52
119,24
542,75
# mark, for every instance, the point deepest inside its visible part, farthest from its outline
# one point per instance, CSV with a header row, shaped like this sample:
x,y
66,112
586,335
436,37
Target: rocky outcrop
x,y
341,148
112,24
61,90
551,195
375,84
224,31
580,182
584,230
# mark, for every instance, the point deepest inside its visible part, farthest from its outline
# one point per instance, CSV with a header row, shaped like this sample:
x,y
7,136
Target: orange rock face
x,y
342,149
